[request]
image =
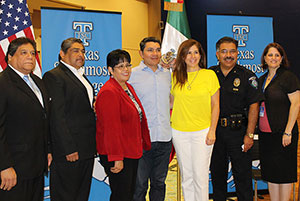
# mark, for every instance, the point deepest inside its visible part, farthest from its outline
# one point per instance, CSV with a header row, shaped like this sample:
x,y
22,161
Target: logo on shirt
x,y
240,34
83,31
253,82
236,82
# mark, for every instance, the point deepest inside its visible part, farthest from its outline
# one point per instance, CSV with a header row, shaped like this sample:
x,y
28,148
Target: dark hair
x,y
146,40
226,39
285,62
16,43
117,56
66,44
180,71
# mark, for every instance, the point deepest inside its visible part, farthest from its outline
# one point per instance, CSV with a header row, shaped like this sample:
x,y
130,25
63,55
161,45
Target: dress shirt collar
x,y
159,67
18,72
80,71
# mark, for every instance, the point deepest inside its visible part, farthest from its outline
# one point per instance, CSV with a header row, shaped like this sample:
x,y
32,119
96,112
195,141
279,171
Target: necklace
x,y
189,84
270,77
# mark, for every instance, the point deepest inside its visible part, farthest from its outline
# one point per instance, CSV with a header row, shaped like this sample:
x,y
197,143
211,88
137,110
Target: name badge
x,y
261,111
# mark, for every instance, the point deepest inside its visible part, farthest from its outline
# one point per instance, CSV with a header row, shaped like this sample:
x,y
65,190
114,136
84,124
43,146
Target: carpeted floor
x,y
171,194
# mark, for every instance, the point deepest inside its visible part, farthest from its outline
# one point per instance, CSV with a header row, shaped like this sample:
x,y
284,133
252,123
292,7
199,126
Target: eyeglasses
x,y
224,51
122,66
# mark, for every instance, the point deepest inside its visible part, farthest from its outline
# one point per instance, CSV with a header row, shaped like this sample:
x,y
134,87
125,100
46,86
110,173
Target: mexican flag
x,y
176,31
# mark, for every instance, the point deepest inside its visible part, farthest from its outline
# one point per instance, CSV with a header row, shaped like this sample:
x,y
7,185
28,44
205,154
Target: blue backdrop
x,y
253,34
100,33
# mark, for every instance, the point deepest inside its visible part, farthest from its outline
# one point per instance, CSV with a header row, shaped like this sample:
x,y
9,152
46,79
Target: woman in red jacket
x,y
122,131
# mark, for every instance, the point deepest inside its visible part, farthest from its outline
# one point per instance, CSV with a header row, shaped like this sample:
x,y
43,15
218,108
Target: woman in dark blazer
x,y
122,131
278,127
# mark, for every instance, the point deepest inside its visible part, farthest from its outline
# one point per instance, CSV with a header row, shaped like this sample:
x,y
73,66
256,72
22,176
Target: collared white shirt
x,y
79,74
34,87
153,90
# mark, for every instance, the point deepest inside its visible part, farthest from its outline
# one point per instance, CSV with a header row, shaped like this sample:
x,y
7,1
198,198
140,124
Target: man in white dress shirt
x,y
72,125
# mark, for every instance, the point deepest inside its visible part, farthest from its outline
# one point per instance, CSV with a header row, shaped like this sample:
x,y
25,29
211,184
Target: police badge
x,y
236,82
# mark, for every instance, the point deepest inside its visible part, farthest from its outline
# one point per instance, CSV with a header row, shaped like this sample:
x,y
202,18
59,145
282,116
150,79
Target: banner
x,y
100,33
253,35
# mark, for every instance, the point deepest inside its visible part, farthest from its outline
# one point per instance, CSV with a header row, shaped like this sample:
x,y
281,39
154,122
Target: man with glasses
x,y
152,84
72,125
239,97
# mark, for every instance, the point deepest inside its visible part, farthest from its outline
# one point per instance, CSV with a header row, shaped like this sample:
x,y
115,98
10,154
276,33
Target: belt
x,y
224,122
234,119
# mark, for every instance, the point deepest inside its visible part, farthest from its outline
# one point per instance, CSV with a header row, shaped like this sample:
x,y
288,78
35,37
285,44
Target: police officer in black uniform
x,y
239,97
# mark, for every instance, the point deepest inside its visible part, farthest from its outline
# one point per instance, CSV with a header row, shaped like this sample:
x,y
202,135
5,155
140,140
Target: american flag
x,y
14,23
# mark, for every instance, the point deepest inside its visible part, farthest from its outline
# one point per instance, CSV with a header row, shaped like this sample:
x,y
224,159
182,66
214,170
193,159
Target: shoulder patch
x,y
253,82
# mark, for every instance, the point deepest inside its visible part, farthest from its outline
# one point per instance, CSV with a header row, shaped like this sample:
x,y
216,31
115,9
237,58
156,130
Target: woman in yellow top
x,y
195,91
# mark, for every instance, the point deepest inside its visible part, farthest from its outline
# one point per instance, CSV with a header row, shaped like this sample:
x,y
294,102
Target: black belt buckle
x,y
224,122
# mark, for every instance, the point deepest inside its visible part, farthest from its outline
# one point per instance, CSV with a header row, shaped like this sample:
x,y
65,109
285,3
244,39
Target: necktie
x,y
34,88
26,78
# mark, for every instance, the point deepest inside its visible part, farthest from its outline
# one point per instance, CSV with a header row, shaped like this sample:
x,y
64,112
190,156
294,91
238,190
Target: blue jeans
x,y
154,166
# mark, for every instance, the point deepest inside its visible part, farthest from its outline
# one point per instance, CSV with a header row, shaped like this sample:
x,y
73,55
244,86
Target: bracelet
x,y
287,134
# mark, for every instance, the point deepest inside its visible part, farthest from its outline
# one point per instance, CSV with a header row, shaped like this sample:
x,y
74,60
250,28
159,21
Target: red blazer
x,y
120,133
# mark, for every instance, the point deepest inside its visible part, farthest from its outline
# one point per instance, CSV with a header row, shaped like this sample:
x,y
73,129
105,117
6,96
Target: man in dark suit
x,y
23,125
72,125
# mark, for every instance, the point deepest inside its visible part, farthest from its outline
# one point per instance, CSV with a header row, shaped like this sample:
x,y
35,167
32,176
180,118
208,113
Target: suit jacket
x,y
120,133
23,126
72,119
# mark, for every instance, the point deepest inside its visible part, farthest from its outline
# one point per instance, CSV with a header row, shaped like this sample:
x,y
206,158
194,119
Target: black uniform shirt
x,y
238,90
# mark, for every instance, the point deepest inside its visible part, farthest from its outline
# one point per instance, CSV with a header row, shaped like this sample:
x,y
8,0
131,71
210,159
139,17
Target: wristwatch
x,y
250,135
287,134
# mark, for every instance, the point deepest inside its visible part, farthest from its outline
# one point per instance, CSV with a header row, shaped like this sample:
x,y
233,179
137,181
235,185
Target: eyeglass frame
x,y
122,66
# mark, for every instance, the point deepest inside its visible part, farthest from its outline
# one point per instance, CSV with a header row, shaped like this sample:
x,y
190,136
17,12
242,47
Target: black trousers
x,y
122,184
71,181
228,147
25,190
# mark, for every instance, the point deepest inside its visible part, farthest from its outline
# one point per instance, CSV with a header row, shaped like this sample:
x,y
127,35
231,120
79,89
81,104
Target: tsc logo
x,y
240,34
84,33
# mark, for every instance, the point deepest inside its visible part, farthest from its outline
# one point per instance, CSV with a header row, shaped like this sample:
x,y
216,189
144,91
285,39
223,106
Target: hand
x,y
49,160
210,138
118,167
8,179
286,140
248,142
72,157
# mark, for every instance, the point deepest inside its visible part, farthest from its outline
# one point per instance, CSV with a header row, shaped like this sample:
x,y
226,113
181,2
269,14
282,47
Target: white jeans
x,y
193,157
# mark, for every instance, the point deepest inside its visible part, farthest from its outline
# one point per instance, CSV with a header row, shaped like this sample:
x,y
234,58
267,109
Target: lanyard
x,y
263,86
